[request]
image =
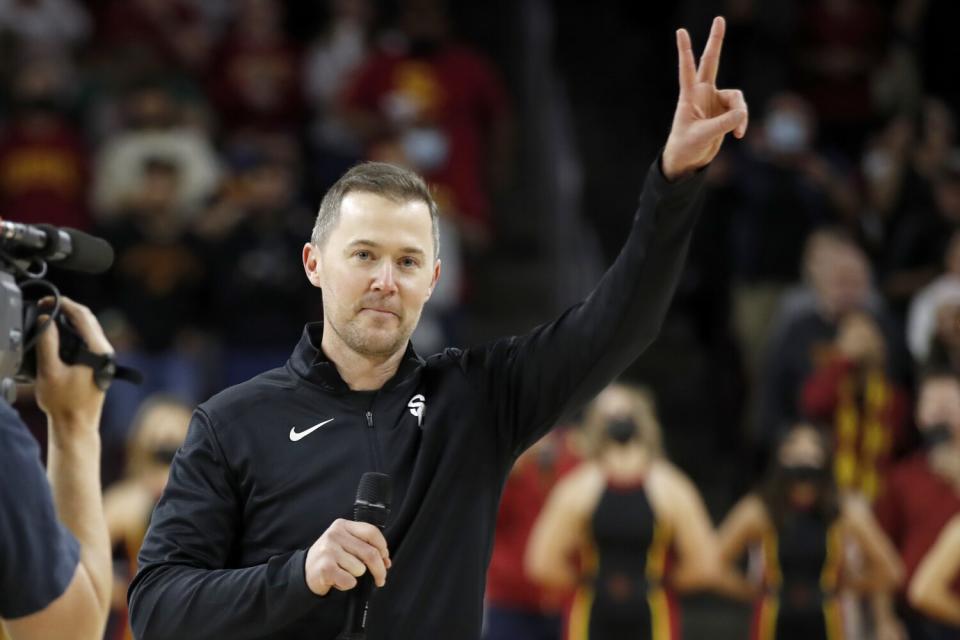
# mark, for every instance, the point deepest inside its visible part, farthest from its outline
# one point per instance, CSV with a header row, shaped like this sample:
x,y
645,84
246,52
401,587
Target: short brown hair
x,y
382,179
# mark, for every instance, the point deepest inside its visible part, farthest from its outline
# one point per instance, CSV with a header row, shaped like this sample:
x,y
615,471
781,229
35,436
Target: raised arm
x,y
532,380
930,589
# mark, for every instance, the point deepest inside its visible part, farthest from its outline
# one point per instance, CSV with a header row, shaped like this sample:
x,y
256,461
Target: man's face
x,y
376,270
841,279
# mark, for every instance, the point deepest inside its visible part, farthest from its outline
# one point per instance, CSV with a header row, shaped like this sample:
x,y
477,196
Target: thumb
x,y
725,122
48,347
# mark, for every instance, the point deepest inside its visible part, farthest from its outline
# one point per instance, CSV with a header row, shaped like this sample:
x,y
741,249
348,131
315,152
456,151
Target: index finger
x,y
688,69
710,61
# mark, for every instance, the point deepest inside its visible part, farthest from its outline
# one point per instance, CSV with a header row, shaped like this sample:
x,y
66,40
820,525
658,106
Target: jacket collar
x,y
310,362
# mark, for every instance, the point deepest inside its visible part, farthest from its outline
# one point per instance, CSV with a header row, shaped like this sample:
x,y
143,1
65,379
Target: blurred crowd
x,y
823,289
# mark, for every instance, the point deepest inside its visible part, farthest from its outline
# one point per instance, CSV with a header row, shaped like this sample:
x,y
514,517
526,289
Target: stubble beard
x,y
375,344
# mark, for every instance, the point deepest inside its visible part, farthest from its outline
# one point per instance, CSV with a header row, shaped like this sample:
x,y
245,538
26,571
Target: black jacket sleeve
x,y
183,588
532,380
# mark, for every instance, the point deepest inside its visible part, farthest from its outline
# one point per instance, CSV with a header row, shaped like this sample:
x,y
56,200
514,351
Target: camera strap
x,y
106,369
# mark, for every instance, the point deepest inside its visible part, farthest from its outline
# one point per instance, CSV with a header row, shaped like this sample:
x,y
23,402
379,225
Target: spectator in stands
x,y
937,139
255,76
259,283
914,256
439,107
637,521
894,187
784,188
333,57
49,25
837,283
926,321
157,289
154,128
922,492
44,163
868,411
945,344
168,33
839,45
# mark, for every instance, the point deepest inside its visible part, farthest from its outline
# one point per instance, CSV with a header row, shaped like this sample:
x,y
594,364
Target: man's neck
x,y
360,372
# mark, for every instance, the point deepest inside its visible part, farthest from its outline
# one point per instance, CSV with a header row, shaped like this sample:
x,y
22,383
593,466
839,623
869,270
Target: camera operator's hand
x,y
68,394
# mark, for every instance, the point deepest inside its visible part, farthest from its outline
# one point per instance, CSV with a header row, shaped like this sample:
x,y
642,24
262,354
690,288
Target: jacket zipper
x,y
372,440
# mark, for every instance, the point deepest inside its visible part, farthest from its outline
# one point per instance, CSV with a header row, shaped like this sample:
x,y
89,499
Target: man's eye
x,y
408,263
362,255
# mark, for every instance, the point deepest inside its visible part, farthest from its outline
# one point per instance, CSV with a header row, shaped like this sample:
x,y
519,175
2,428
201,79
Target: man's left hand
x,y
704,113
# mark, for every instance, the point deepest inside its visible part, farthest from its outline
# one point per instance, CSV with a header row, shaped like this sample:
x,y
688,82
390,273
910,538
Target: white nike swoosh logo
x,y
294,435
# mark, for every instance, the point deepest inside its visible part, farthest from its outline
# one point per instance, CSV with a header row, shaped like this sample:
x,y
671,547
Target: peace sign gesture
x,y
704,113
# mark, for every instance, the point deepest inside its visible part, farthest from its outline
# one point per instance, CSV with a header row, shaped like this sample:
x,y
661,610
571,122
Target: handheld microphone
x,y
69,248
374,495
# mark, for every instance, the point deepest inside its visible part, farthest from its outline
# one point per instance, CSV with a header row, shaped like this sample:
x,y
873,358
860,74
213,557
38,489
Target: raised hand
x,y
704,113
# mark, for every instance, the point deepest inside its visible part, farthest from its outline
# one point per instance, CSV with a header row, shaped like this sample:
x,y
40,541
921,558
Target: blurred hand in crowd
x,y
859,339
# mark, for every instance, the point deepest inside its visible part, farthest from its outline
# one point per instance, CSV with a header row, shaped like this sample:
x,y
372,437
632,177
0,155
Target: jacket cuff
x,y
292,580
686,187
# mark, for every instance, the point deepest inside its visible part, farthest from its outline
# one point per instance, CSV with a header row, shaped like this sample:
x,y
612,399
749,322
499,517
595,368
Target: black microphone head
x,y
375,488
89,254
374,495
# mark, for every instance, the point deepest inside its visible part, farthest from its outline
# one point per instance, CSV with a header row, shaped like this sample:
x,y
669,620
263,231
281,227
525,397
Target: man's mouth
x,y
380,311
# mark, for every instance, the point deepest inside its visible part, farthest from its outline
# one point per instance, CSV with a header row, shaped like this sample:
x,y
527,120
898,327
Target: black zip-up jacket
x,y
224,555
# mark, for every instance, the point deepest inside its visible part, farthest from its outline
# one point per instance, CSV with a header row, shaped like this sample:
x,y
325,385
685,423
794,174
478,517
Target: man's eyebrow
x,y
370,243
361,241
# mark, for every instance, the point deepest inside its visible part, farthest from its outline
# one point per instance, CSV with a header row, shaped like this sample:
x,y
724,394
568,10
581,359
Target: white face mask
x,y
426,148
786,132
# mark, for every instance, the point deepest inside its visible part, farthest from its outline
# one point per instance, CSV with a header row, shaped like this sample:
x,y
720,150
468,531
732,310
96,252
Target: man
x,y
232,550
55,567
923,492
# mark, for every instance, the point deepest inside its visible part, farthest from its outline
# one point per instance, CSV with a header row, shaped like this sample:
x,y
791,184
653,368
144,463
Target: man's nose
x,y
384,280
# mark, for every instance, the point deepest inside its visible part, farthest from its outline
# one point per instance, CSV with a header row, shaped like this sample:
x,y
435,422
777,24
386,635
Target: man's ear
x,y
312,265
434,280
